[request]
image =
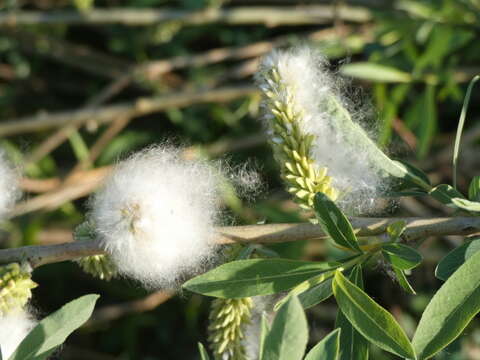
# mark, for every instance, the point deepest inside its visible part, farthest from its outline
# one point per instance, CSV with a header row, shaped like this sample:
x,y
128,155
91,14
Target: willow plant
x,y
156,221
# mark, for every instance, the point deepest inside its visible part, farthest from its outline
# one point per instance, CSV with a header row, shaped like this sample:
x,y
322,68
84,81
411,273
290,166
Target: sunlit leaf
x,y
375,72
254,277
450,310
474,189
327,348
55,328
353,345
455,258
372,321
288,336
445,193
203,352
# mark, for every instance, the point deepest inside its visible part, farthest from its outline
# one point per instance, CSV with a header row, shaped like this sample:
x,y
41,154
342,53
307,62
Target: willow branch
x,y
105,114
265,15
259,234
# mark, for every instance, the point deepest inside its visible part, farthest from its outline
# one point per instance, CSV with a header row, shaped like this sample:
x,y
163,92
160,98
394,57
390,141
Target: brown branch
x,y
96,150
259,234
141,106
112,312
265,15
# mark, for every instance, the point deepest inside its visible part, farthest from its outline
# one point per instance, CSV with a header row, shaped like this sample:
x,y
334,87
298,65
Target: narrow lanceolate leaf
x,y
445,193
244,278
402,256
316,294
264,330
403,281
450,310
419,174
372,321
376,72
327,348
455,258
464,204
288,336
203,352
304,286
334,222
474,189
55,328
353,345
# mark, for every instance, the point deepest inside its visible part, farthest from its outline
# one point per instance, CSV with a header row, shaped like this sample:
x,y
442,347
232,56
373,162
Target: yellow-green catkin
x,y
228,318
292,147
15,287
99,266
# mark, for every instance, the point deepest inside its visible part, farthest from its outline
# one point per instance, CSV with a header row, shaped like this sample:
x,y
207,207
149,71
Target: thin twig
x,y
62,134
266,15
112,312
258,234
141,106
95,151
82,183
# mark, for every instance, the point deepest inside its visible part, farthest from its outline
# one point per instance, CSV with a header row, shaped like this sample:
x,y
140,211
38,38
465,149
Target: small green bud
x,y
99,266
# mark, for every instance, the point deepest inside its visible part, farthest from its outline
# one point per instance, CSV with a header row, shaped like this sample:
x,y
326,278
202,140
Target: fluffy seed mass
x,y
14,328
300,79
155,216
9,191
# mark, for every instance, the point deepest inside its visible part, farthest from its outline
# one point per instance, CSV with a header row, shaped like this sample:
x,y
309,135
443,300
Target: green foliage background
x,y
414,58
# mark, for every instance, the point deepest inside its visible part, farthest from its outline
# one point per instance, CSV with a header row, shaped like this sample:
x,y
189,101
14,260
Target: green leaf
x,y
450,310
371,320
455,258
307,284
445,193
396,229
461,122
244,278
401,256
316,294
265,329
327,348
203,352
375,72
466,205
55,328
474,189
288,336
403,281
407,183
353,345
334,223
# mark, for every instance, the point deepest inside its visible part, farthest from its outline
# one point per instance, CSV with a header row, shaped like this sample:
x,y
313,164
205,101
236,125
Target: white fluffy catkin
x,y
304,75
9,191
14,327
155,216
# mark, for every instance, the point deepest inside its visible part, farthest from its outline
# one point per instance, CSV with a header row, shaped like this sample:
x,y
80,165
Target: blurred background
x,y
85,82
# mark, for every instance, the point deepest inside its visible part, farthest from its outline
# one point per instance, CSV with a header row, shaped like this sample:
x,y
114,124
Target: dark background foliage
x,y
420,56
